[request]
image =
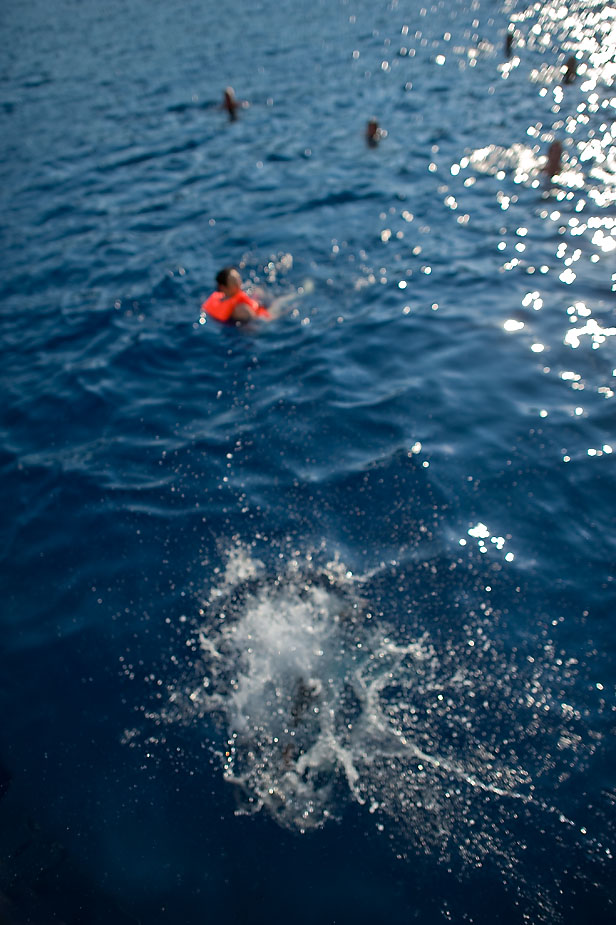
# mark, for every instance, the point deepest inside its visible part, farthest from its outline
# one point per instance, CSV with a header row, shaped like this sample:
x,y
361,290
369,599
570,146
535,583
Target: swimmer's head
x,y
229,102
552,165
374,132
229,281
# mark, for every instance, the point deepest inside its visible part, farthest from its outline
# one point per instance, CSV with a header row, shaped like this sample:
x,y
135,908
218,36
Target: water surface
x,y
309,620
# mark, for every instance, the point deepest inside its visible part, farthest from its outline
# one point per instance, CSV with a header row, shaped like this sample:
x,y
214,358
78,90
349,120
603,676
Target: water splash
x,y
324,703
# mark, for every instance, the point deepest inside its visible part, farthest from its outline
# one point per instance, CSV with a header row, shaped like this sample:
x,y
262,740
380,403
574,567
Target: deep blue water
x,y
308,621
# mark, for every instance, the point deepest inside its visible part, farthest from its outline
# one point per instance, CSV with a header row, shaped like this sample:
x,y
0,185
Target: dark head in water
x,y
509,42
374,133
552,164
229,281
570,70
230,103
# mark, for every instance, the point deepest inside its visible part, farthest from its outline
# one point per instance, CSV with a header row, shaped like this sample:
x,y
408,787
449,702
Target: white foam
x,y
315,703
323,705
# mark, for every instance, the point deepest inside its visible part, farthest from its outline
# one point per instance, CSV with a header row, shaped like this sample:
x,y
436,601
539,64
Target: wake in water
x,y
285,304
273,271
323,702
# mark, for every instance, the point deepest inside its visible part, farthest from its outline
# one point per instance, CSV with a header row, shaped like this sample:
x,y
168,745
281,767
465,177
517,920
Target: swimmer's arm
x,y
242,313
241,308
246,308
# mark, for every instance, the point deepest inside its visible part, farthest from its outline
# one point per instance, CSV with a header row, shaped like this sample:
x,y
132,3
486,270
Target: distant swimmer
x,y
552,165
374,133
230,303
231,104
570,70
509,42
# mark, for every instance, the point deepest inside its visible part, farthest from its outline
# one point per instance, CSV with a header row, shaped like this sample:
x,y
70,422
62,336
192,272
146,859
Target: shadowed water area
x,y
307,621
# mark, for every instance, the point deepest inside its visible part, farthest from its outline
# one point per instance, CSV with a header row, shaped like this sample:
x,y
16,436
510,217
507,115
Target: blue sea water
x,y
307,621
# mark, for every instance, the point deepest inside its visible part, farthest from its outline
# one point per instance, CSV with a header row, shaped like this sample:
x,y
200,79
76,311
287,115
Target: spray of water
x,y
324,703
315,701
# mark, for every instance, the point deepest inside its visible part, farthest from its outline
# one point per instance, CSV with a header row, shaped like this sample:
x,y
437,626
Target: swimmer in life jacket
x,y
230,302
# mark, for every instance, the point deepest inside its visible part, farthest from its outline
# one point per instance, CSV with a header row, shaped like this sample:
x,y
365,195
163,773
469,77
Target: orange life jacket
x,y
221,308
